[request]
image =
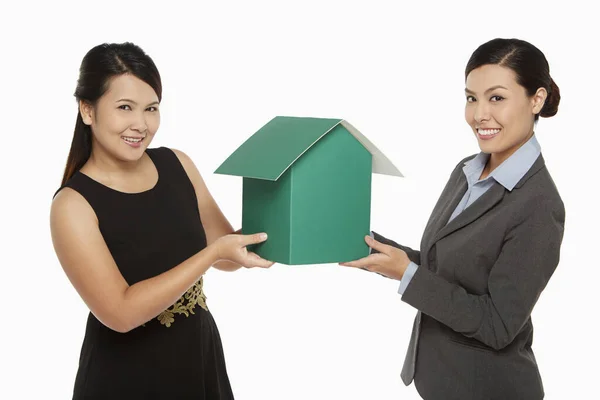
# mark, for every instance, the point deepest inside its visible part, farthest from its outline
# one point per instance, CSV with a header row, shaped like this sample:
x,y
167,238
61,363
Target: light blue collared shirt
x,y
508,174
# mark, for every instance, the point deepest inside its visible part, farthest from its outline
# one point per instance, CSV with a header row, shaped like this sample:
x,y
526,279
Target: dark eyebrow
x,y
154,103
489,90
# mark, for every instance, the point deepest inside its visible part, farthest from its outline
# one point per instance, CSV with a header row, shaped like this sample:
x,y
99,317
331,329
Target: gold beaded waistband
x,y
185,305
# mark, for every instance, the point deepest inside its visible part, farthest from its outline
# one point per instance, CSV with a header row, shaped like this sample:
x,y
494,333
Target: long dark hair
x,y
527,62
99,65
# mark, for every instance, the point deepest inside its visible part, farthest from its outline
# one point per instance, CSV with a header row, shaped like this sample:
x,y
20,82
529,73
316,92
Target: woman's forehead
x,y
127,86
491,76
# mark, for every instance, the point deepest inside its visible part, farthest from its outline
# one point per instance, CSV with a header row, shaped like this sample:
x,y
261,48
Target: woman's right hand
x,y
233,248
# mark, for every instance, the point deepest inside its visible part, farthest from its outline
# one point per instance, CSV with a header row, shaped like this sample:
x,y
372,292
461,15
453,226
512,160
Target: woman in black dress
x,y
135,229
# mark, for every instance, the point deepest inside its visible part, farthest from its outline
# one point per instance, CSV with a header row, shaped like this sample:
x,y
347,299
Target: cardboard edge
x,y
218,172
311,145
381,164
246,176
291,221
339,120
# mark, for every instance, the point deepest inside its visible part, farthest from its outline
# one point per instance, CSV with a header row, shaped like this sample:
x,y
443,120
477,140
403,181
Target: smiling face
x,y
125,119
499,110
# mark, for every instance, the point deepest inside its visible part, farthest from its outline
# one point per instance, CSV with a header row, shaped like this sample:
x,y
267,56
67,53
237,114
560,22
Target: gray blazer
x,y
479,278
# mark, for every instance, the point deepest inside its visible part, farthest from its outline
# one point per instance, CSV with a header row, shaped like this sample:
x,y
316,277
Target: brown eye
x,y
125,107
496,98
470,99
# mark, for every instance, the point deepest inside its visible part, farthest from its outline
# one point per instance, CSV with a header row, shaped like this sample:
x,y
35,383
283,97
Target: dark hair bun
x,y
551,105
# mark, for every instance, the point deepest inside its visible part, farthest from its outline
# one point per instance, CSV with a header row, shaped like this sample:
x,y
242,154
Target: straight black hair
x,y
98,67
527,62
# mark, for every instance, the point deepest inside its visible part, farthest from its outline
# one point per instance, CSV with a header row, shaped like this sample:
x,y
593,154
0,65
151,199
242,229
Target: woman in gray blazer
x,y
491,244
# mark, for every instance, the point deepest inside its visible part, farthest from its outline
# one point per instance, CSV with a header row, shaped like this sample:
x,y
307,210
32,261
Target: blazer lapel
x,y
438,226
443,210
488,200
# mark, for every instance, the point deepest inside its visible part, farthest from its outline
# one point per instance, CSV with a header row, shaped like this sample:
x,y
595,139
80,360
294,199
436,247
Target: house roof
x,y
277,145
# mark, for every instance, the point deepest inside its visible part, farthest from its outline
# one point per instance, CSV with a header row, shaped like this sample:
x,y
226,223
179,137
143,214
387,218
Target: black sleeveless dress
x,y
177,355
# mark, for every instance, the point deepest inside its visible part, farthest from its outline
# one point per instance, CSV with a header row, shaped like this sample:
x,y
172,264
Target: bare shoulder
x,y
190,168
206,202
68,205
184,159
71,220
85,258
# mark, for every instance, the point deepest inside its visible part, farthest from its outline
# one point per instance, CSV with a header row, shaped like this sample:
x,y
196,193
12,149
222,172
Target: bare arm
x,y
88,264
215,223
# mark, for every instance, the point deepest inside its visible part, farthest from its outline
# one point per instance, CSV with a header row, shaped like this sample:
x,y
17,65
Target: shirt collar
x,y
510,172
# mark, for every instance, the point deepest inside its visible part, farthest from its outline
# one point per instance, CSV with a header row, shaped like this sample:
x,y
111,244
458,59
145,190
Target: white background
x,y
395,72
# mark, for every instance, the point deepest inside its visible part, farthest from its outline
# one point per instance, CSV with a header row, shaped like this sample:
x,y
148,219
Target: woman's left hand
x,y
390,261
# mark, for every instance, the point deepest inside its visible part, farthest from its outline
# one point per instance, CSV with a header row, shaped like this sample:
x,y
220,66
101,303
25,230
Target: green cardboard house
x,y
307,184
